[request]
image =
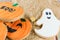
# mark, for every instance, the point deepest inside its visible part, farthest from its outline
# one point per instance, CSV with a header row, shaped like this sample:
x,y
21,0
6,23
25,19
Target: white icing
x,y
50,26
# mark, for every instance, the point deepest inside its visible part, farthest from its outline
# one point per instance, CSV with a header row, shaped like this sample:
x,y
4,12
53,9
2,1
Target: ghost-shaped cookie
x,y
50,24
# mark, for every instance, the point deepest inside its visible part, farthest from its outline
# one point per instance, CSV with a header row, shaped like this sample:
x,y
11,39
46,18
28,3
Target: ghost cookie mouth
x,y
49,17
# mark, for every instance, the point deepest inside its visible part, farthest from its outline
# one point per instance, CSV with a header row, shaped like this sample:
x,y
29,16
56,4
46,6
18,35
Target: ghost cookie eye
x,y
49,13
46,13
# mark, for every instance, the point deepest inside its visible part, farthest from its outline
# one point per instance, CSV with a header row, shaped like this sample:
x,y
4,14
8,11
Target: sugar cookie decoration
x,y
19,29
10,12
50,23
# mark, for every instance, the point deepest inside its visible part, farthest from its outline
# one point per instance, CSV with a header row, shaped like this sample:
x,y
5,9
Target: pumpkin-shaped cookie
x,y
10,12
19,29
3,31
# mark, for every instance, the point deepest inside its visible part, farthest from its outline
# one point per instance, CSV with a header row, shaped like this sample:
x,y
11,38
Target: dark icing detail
x,y
4,23
49,13
56,38
8,38
11,30
2,7
48,17
19,24
46,13
11,10
7,8
23,20
11,22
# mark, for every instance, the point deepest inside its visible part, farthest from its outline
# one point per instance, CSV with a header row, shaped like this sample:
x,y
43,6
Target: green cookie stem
x,y
15,4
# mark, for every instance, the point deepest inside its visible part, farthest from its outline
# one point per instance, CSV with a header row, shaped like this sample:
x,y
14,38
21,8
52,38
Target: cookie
x,y
10,12
55,7
19,29
50,24
3,31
